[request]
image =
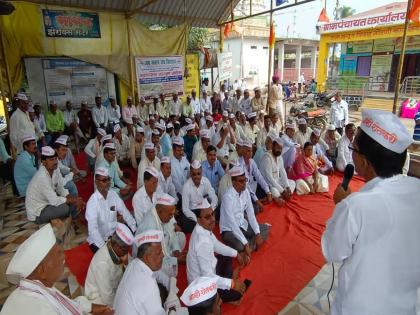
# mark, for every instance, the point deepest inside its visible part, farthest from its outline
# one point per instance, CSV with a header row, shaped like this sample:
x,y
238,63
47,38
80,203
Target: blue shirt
x,y
24,170
189,146
116,182
166,145
416,135
213,174
4,156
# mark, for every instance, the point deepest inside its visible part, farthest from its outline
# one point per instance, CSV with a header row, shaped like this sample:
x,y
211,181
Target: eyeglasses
x,y
355,150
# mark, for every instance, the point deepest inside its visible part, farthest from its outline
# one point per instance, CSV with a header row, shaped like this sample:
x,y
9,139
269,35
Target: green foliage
x,y
197,38
345,11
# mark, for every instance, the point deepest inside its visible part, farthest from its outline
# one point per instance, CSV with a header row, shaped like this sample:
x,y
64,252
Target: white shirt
x,y
144,163
205,104
99,116
224,150
245,105
262,136
254,177
339,114
142,203
20,126
44,190
138,292
301,138
114,114
102,278
22,301
128,112
195,103
274,172
192,194
175,107
93,148
70,116
232,214
201,261
122,148
102,222
344,155
198,152
166,186
180,170
374,234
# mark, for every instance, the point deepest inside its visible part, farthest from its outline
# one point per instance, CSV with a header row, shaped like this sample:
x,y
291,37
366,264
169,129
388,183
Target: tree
x,y
197,38
345,11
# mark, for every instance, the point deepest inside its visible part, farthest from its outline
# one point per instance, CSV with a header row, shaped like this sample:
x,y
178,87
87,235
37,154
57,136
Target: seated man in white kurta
x,y
107,267
150,160
103,210
138,291
160,218
37,264
143,199
201,259
275,174
195,189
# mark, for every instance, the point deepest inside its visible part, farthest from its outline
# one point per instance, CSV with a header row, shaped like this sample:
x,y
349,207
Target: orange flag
x,y
227,29
323,17
272,38
414,14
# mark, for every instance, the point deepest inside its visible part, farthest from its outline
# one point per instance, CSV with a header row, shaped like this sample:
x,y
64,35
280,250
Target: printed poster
x,y
157,75
71,24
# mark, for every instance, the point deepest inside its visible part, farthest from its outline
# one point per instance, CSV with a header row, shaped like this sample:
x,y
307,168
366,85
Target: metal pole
x,y
401,60
270,50
130,61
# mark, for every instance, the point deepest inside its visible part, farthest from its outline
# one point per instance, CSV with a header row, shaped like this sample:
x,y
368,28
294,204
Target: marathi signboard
x,y
384,19
225,61
412,45
157,75
359,47
71,24
383,45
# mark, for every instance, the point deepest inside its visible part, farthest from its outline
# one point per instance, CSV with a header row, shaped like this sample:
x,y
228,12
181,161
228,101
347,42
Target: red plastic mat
x,y
281,269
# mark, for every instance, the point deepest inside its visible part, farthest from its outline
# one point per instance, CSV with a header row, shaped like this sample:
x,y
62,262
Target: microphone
x,y
348,174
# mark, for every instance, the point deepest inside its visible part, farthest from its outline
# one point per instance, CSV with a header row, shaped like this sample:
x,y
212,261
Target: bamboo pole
x,y
401,60
270,51
130,62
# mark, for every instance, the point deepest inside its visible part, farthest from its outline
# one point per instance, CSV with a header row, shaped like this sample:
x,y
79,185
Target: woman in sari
x,y
305,173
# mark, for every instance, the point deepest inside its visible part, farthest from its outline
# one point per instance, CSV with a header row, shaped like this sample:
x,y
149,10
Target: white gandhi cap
x,y
203,204
47,151
165,159
196,164
124,234
386,129
152,171
149,236
102,171
200,290
166,200
30,254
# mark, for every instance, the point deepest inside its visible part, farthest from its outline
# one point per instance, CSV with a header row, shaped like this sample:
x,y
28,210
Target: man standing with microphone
x,y
374,233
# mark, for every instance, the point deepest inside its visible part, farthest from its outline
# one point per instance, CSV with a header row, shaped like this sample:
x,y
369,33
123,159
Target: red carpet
x,y
289,260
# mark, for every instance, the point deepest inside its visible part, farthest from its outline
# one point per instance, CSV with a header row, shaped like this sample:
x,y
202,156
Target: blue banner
x,y
280,2
71,24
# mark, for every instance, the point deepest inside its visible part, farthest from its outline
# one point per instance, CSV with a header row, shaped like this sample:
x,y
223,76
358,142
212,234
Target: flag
x,y
227,29
280,2
272,38
323,17
414,14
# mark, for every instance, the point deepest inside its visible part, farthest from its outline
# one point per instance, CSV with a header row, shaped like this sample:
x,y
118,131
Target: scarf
x,y
62,304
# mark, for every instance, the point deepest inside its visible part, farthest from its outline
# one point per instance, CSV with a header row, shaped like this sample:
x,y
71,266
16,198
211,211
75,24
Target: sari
x,y
303,167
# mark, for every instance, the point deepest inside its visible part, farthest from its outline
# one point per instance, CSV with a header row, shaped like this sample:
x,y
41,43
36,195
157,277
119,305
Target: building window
x,y
253,47
265,47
